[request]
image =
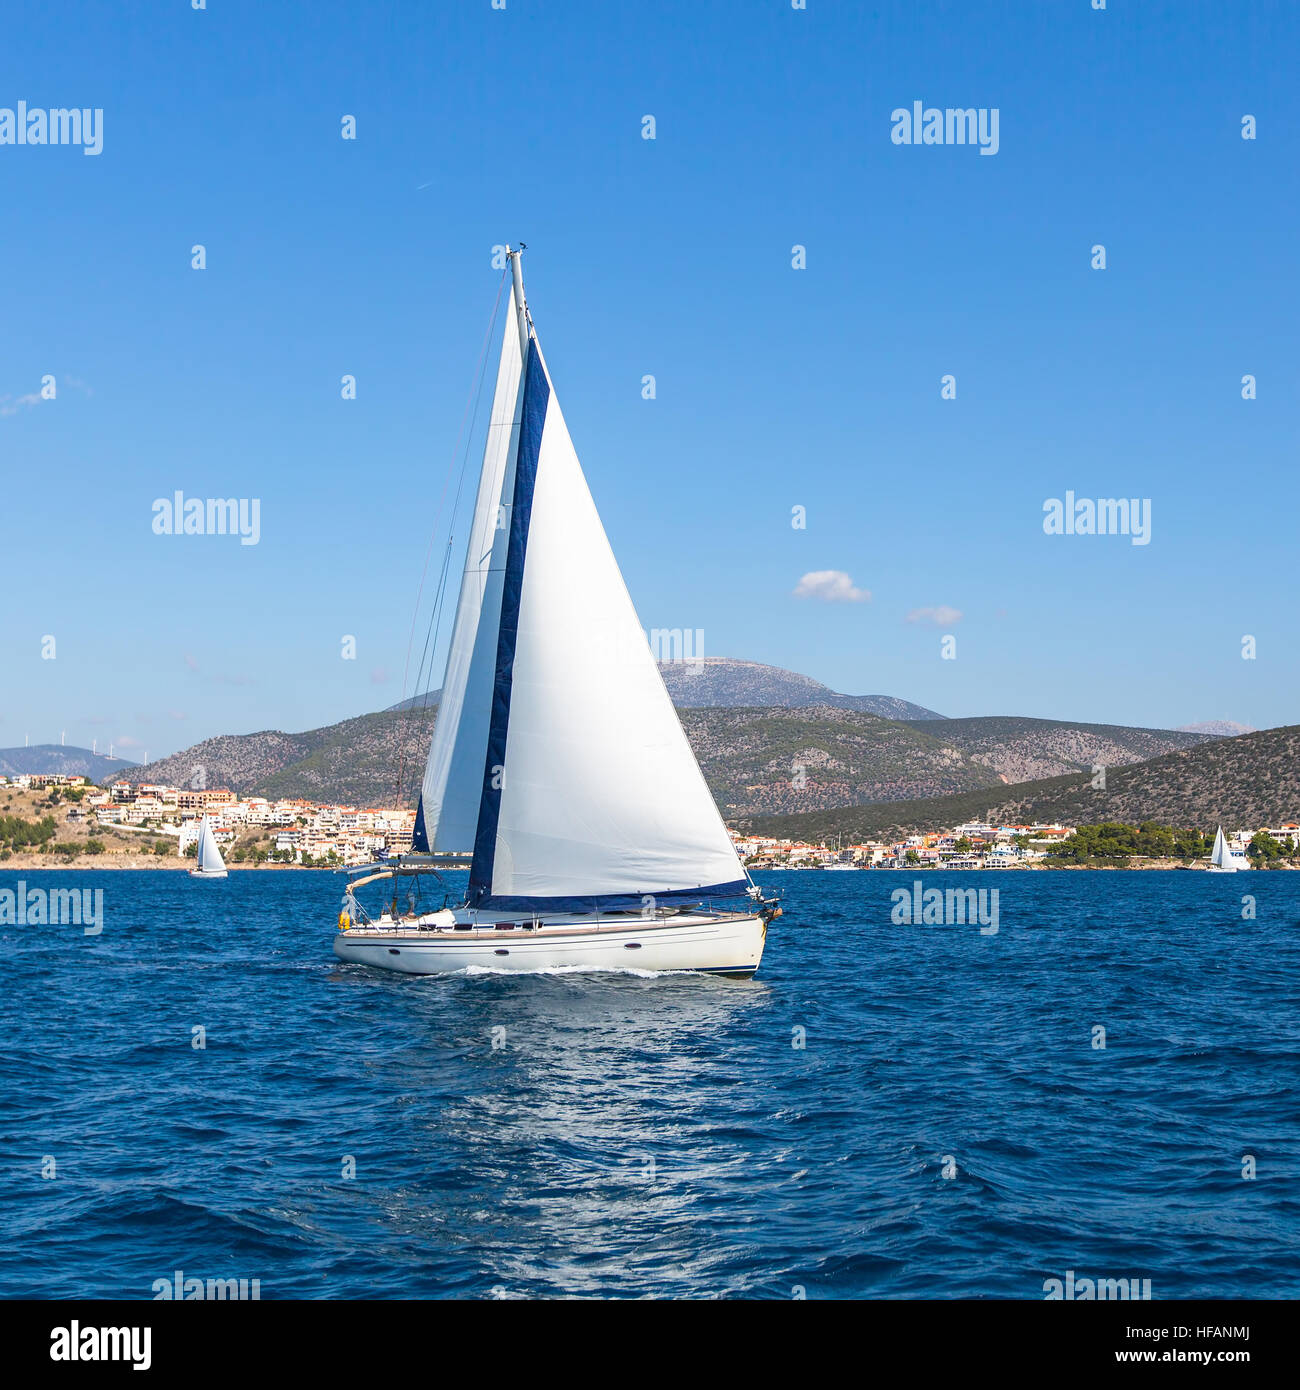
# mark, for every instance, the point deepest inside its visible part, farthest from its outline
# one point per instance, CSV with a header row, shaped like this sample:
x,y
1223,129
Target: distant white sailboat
x,y
1224,860
558,771
211,864
840,864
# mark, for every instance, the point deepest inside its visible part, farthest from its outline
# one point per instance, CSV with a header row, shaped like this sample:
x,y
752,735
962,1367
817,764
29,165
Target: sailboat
x,y
211,864
558,771
840,863
1224,860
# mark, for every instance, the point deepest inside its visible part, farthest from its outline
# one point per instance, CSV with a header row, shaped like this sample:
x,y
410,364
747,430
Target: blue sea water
x,y
661,1136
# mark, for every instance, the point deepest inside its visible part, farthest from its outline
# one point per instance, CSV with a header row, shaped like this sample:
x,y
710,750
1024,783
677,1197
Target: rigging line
x,y
471,400
435,622
440,597
430,636
475,388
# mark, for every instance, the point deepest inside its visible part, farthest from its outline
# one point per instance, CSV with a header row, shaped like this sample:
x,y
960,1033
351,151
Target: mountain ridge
x,y
730,682
60,758
1020,748
798,747
1243,782
757,761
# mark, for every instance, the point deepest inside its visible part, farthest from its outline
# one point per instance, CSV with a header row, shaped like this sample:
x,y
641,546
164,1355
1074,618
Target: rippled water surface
x,y
661,1136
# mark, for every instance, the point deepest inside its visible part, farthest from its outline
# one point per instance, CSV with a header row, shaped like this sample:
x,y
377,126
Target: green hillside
x,y
1243,782
1020,749
786,760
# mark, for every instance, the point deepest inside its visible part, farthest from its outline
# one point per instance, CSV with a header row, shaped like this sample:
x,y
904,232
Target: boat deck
x,y
422,928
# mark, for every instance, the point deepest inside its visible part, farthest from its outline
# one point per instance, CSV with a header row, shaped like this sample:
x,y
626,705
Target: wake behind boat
x,y
558,771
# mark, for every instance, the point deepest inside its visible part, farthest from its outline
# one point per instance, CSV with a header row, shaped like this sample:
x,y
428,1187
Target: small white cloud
x,y
942,616
831,586
11,405
126,741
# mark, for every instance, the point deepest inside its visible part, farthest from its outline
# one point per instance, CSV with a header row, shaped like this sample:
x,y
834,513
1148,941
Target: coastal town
x,y
973,846
251,831
979,845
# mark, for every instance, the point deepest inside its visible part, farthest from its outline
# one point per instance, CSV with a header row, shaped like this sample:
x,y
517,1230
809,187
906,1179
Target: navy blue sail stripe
x,y
537,395
510,903
420,836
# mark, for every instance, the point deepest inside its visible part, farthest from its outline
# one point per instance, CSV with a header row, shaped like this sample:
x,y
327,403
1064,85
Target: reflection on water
x,y
581,1145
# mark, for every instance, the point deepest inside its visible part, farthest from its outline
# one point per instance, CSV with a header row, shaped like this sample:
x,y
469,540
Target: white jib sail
x,y
600,792
210,860
453,776
1219,856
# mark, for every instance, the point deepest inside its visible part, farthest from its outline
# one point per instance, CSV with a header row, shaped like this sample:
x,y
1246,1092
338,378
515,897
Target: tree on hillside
x,y
1155,841
1191,844
19,833
1264,847
1110,840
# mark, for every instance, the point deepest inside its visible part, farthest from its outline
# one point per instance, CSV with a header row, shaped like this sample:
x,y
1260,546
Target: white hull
x,y
207,873
1222,869
720,943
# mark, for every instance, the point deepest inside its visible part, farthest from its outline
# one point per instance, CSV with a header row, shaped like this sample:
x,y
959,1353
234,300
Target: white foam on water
x,y
568,970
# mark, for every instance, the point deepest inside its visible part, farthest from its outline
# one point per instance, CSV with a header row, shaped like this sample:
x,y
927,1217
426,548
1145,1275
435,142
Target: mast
x,y
517,273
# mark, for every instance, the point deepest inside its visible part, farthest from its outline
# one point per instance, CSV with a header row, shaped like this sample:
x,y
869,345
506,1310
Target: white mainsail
x,y
566,768
453,777
210,860
1220,856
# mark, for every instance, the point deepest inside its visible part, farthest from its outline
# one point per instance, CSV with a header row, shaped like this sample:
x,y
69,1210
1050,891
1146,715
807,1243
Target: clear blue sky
x,y
776,387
